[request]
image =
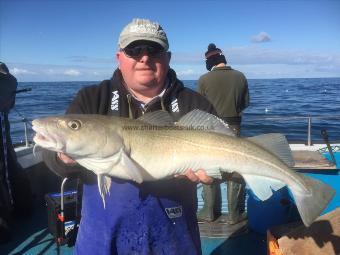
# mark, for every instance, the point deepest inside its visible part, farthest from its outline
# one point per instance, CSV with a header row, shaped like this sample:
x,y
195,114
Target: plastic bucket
x,y
278,209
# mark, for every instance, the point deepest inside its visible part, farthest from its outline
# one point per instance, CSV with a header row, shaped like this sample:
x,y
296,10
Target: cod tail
x,y
311,205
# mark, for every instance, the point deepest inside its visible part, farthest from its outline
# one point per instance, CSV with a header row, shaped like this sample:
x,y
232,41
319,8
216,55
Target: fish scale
x,y
197,143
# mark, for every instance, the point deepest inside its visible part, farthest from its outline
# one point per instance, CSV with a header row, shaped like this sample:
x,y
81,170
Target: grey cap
x,y
143,29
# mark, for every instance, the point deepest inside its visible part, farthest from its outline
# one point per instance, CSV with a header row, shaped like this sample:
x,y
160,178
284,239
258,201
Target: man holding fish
x,y
151,217
133,204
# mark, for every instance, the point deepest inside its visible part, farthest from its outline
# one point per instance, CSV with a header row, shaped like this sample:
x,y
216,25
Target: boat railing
x,y
27,124
309,120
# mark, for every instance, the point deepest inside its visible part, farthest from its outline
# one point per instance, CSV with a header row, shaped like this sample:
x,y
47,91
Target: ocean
x,y
276,105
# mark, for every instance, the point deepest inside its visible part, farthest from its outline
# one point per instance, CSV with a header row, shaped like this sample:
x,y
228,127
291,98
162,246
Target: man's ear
x,y
118,56
169,55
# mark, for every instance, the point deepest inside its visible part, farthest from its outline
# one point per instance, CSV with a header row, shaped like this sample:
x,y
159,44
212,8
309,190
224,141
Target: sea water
x,y
276,105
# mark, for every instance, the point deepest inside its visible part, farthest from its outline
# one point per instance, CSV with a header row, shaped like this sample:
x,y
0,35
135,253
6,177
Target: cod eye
x,y
74,124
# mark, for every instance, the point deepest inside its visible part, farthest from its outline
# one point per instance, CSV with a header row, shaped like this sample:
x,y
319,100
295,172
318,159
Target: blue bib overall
x,y
148,218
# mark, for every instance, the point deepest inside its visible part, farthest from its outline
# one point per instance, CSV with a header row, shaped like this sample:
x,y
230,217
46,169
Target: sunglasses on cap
x,y
138,50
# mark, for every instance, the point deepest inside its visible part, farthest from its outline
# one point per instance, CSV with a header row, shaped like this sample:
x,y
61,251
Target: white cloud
x,y
19,71
55,72
254,60
260,62
90,60
261,37
186,72
72,72
50,71
258,55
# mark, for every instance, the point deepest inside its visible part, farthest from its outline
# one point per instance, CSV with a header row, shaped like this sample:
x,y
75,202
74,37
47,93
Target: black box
x,y
61,228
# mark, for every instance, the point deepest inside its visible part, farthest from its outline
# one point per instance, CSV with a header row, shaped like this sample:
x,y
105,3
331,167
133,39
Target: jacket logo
x,y
174,212
114,101
174,105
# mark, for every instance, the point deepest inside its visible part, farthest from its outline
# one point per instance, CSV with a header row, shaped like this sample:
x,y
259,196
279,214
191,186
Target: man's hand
x,y
198,176
66,159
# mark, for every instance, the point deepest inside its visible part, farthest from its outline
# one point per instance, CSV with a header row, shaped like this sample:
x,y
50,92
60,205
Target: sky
x,y
64,40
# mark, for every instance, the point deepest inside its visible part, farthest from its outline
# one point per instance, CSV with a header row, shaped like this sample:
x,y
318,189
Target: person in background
x,y
15,191
227,90
152,217
8,85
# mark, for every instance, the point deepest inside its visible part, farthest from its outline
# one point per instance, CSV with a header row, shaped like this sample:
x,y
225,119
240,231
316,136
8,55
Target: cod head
x,y
78,135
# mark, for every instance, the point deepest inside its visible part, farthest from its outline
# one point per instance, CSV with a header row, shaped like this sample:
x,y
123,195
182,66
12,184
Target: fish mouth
x,y
47,140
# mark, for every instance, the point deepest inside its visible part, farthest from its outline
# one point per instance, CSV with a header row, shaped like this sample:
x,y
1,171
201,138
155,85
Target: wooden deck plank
x,y
218,229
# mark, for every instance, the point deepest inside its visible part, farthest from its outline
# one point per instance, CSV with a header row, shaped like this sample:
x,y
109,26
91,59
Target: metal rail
x,y
279,117
26,124
308,118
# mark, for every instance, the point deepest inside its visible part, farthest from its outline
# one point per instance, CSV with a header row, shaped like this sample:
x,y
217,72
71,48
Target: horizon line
x,y
196,79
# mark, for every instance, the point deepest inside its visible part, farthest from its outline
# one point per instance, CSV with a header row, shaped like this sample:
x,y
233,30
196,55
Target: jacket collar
x,y
173,86
221,68
131,106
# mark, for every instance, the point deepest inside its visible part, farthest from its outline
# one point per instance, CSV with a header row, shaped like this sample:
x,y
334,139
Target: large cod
x,y
153,147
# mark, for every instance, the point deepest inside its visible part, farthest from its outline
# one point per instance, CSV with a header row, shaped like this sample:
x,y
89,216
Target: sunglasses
x,y
137,51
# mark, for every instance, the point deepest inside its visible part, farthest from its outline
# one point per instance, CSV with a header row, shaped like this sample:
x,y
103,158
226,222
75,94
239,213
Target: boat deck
x,y
311,160
31,236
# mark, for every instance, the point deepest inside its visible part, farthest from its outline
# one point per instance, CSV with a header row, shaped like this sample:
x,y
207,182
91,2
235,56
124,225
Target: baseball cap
x,y
143,29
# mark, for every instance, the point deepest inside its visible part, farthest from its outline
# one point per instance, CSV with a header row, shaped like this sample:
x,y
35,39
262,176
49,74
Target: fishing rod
x,y
325,137
23,90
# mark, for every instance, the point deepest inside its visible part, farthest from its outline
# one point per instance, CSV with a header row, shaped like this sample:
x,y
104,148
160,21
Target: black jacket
x,y
140,213
111,97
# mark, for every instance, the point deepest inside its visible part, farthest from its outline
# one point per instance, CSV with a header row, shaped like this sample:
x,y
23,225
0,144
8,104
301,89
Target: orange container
x,y
272,245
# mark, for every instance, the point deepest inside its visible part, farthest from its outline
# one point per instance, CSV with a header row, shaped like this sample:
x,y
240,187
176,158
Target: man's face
x,y
144,65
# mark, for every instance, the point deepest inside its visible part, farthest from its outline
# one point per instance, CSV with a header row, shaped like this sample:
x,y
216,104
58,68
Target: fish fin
x,y
118,165
198,119
311,205
157,118
262,186
277,144
128,169
215,172
100,165
104,184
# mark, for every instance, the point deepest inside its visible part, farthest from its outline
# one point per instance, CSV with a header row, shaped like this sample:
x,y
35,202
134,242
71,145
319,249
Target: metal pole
x,y
62,196
26,133
309,135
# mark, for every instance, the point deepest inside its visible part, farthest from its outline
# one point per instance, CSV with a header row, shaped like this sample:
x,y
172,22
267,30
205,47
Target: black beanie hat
x,y
214,56
3,68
